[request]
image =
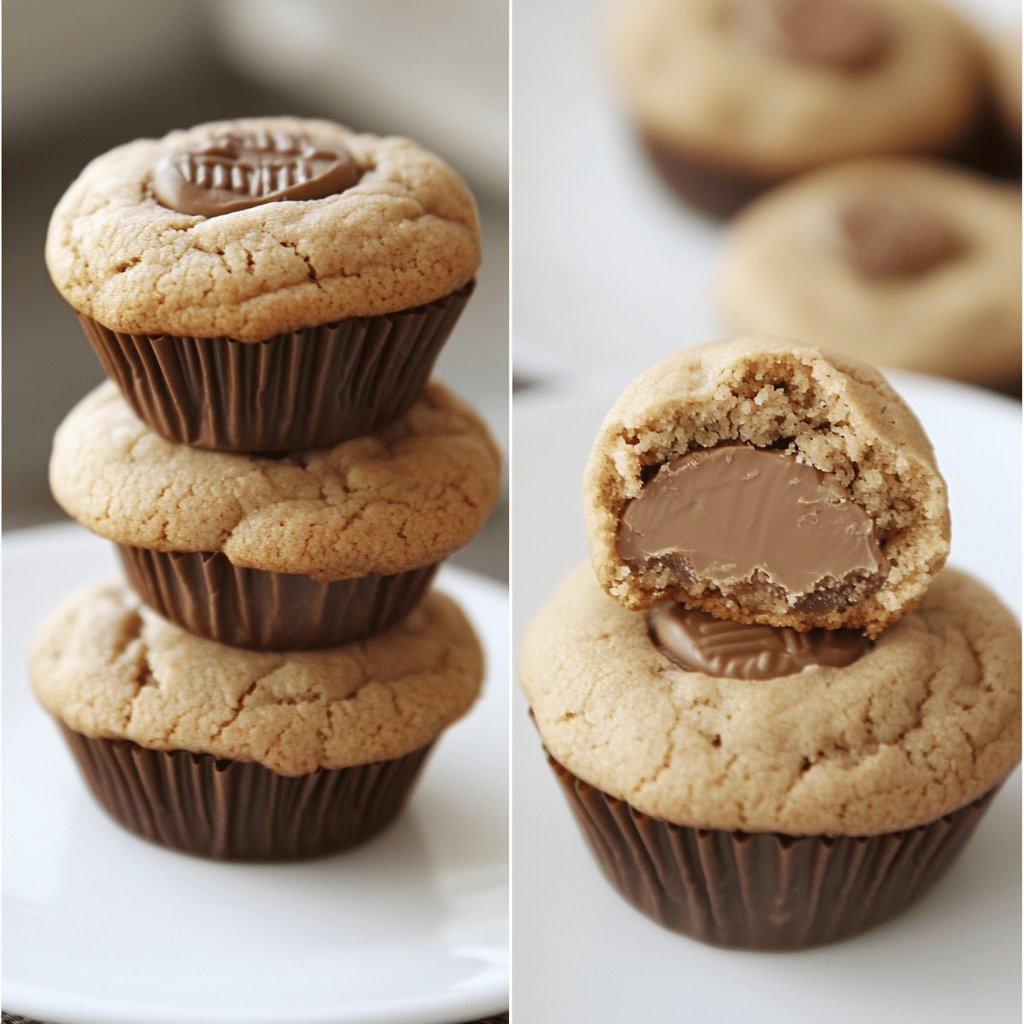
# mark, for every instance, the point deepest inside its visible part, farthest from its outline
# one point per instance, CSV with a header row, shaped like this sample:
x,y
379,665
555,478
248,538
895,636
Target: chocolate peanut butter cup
x,y
808,538
236,170
238,754
699,642
266,284
315,549
754,787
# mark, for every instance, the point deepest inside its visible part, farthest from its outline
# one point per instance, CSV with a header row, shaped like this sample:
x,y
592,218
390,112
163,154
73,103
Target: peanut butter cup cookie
x,y
764,481
248,755
905,263
732,96
266,284
313,549
757,787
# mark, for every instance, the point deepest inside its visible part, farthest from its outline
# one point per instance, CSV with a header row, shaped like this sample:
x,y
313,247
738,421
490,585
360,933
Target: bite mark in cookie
x,y
869,476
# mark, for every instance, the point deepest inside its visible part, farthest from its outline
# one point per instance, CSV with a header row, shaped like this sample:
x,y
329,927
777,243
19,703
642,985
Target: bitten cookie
x,y
314,549
347,257
732,96
244,754
727,775
764,481
904,263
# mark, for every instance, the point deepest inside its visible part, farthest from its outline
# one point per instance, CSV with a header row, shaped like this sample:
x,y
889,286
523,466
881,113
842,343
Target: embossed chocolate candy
x,y
236,170
699,642
843,34
893,236
734,514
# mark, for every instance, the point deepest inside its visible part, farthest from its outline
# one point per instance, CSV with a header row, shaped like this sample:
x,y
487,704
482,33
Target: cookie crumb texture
x,y
110,668
406,233
832,413
918,726
406,496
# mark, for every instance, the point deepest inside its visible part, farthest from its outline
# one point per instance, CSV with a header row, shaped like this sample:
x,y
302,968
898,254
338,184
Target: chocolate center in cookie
x,y
892,236
847,35
232,171
699,642
735,514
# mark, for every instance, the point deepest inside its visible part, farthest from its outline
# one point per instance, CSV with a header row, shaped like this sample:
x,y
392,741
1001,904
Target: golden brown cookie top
x,y
923,722
771,87
907,263
109,667
281,223
408,495
763,480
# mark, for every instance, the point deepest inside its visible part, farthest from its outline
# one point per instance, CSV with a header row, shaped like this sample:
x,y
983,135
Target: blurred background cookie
x,y
732,96
904,263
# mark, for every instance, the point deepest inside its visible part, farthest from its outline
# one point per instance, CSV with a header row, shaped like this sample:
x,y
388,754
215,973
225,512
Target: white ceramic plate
x,y
580,953
101,927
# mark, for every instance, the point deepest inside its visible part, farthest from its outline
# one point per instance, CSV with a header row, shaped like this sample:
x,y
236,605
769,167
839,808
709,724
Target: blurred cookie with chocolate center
x,y
903,263
730,97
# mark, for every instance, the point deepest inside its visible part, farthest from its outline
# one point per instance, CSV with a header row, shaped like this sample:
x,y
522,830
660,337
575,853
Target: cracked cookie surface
x,y
406,496
405,234
918,726
830,412
109,667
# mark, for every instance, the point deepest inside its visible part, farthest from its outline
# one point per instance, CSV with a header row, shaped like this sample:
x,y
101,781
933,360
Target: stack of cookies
x,y
775,714
281,479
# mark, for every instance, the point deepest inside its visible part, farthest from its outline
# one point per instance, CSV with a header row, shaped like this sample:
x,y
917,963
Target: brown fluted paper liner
x,y
238,810
718,191
302,389
205,594
764,890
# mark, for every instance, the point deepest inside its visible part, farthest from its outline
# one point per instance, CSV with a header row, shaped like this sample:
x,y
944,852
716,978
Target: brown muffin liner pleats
x,y
715,190
205,594
236,810
302,389
764,890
